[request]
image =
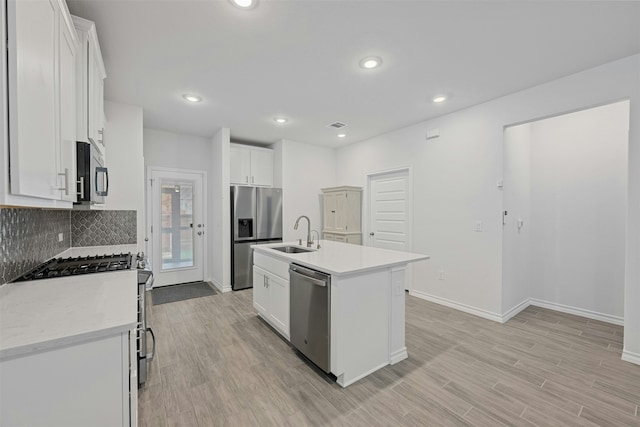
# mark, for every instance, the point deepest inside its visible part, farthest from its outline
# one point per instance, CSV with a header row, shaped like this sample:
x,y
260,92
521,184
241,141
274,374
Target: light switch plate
x,y
60,237
478,226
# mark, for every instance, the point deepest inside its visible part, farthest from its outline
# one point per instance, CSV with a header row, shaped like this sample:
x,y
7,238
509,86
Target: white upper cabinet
x,y
41,91
90,85
240,168
262,167
251,165
67,71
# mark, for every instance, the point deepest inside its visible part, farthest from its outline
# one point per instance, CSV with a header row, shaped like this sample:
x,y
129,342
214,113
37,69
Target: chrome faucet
x,y
295,227
318,233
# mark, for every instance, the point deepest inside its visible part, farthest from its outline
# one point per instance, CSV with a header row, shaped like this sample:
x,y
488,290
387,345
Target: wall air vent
x,y
336,125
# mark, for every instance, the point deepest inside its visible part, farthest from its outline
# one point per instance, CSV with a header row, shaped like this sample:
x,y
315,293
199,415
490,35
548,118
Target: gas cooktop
x,y
62,267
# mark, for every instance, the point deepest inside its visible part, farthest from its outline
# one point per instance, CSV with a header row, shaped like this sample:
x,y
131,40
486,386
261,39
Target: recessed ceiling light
x,y
370,62
439,98
192,98
280,120
244,4
342,135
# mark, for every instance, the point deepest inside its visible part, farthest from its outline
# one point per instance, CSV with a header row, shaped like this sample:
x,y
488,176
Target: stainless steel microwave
x,y
93,176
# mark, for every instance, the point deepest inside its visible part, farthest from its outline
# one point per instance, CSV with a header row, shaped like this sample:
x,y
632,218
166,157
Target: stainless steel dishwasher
x,y
310,330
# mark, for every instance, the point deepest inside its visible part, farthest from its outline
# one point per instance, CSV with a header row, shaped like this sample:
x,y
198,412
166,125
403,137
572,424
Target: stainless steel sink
x,y
292,249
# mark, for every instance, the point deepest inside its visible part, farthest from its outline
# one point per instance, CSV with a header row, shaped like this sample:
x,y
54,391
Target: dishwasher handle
x,y
317,282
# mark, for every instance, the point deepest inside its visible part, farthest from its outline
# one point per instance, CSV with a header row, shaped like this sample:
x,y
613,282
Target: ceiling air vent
x,y
336,125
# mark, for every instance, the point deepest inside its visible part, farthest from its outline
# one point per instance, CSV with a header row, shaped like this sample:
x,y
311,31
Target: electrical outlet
x,y
440,274
60,237
478,226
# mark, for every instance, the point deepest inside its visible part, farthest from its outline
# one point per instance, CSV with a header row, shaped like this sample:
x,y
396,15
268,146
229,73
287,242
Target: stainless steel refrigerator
x,y
256,217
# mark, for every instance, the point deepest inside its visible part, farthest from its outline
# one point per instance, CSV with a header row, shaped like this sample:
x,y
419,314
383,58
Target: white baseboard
x,y
220,287
398,356
515,310
589,314
631,357
458,306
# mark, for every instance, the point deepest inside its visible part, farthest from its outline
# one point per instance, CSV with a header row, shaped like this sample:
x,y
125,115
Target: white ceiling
x,y
300,59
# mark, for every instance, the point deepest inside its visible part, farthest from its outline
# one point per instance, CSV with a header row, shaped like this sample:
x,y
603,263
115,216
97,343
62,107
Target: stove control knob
x,y
141,264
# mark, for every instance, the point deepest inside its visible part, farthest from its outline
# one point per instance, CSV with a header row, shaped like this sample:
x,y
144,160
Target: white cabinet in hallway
x,y
271,291
251,165
342,214
41,92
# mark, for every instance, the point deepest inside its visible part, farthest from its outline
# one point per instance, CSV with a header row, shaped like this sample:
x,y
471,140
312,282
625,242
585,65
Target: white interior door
x,y
389,213
178,232
388,219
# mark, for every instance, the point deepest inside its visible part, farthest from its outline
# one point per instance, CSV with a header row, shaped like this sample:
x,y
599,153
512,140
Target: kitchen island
x,y
367,301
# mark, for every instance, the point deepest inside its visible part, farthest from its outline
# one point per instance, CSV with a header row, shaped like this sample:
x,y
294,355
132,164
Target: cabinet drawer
x,y
272,265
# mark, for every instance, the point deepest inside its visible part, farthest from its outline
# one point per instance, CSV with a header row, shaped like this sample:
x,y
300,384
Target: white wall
x,y
567,178
455,184
578,208
516,260
125,159
219,228
305,170
179,151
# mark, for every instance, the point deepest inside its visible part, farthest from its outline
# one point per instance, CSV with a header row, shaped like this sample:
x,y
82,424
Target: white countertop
x,y
42,314
342,258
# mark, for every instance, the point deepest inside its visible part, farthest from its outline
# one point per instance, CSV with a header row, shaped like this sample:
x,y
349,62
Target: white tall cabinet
x,y
250,165
40,66
343,214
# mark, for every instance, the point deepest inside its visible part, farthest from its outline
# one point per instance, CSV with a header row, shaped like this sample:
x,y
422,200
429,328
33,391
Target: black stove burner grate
x,y
62,267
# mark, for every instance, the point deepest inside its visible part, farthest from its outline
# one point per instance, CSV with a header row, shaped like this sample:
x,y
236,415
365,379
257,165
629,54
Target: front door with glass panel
x,y
178,227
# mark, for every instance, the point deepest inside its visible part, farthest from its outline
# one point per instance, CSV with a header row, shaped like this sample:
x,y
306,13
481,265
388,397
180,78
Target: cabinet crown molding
x,y
342,188
89,28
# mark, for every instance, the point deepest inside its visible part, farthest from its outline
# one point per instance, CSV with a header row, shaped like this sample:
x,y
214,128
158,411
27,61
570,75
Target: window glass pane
x,y
177,224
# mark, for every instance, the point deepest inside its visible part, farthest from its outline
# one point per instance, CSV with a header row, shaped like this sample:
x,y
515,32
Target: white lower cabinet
x,y
93,383
278,303
271,292
260,291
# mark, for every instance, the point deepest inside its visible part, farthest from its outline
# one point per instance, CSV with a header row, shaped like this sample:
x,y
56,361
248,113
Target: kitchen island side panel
x,y
360,321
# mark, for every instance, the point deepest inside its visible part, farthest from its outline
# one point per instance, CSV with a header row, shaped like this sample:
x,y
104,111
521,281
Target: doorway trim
x,y
366,213
148,240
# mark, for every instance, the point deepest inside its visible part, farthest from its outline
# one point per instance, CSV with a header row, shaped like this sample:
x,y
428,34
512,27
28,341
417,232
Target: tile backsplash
x,y
29,237
99,228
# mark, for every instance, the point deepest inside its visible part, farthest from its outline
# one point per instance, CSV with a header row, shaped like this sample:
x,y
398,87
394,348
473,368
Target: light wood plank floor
x,y
218,364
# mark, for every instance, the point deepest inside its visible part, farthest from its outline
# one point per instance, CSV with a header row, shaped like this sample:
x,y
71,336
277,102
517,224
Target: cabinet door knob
x,y
372,233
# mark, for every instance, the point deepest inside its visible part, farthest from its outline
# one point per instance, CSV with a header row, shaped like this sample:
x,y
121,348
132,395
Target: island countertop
x,y
340,259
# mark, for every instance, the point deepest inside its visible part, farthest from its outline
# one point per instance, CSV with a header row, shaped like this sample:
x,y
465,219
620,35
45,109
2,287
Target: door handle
x,y
252,180
246,179
372,233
